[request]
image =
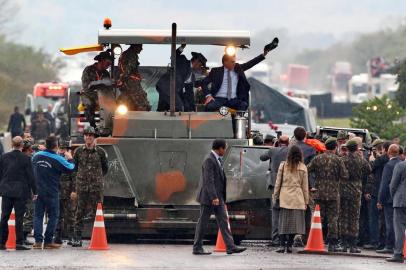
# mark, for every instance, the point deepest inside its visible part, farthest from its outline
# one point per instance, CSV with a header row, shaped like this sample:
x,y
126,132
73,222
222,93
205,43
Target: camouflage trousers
x,y
86,209
329,211
28,222
67,211
349,216
134,96
91,104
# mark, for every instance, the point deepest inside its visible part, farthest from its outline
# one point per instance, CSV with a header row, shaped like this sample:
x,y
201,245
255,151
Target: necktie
x,y
228,85
221,162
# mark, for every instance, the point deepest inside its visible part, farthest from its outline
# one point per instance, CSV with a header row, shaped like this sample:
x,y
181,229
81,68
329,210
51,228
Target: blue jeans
x,y
50,205
373,213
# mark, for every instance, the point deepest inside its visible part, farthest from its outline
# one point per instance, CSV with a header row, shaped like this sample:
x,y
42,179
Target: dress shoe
x,y
370,247
281,249
3,247
201,252
51,246
289,250
236,250
37,246
70,242
333,248
354,249
396,258
385,251
22,247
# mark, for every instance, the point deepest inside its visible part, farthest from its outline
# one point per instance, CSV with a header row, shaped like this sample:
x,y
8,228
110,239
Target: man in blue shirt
x,y
48,167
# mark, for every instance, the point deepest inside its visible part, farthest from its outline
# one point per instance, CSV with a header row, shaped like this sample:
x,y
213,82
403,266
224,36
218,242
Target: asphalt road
x,y
171,256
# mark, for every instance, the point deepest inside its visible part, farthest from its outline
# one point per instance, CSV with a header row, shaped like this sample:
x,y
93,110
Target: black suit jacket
x,y
183,71
215,78
384,196
213,182
16,176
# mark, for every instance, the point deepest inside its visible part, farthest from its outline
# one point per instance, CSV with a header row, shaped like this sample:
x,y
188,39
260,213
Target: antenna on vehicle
x,y
173,71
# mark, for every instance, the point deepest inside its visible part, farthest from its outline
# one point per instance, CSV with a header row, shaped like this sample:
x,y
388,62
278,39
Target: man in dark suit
x,y
16,124
211,195
17,184
385,200
398,193
186,71
275,155
229,86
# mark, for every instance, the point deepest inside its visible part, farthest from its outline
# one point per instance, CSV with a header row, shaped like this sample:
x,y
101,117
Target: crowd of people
x,y
46,179
42,123
361,192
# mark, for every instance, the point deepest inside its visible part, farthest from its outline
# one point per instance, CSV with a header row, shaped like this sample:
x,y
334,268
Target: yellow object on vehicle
x,y
81,49
81,107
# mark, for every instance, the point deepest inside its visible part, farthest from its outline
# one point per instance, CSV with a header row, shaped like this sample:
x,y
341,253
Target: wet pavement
x,y
174,256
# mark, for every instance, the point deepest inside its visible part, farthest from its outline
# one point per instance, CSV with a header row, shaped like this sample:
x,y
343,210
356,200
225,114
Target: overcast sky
x,y
52,24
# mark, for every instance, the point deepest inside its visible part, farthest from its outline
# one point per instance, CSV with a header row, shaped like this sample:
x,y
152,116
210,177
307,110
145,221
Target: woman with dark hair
x,y
292,195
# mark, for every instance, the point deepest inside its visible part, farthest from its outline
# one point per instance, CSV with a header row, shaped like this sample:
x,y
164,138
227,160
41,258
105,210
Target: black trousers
x,y
7,205
222,222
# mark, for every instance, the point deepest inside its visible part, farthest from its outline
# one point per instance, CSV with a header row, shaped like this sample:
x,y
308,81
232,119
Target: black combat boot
x,y
77,240
343,245
353,246
332,245
282,247
26,241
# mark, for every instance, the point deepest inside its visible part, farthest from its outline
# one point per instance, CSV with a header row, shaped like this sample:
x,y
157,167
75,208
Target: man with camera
x,y
48,167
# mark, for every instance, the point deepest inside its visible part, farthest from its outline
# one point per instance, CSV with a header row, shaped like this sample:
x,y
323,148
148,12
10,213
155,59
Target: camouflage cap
x,y
89,130
351,143
342,135
377,142
330,140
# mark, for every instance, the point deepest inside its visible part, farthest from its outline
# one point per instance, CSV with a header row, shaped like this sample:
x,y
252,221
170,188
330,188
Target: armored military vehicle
x,y
155,157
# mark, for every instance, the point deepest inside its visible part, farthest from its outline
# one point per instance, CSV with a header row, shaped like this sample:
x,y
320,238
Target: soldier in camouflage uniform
x,y
67,206
91,163
351,191
96,72
28,221
329,170
132,93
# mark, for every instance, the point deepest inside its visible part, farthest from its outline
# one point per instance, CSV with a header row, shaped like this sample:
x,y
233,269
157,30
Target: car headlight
x,y
223,110
122,109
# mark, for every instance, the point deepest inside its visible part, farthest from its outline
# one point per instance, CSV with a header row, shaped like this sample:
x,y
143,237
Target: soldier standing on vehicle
x,y
91,163
96,72
329,170
350,196
132,93
67,206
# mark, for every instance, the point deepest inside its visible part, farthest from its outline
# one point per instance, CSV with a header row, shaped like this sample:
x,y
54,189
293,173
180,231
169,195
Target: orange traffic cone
x,y
11,240
99,238
220,245
404,247
315,242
